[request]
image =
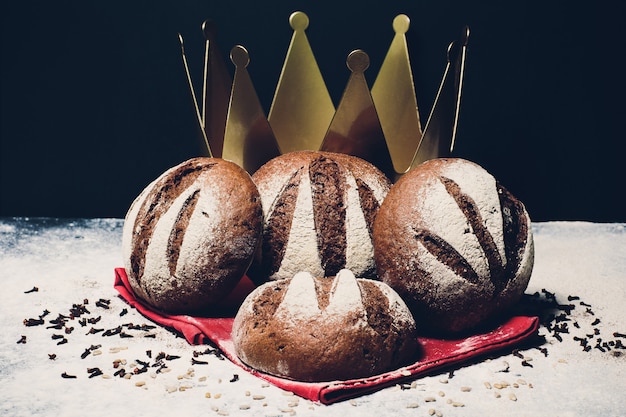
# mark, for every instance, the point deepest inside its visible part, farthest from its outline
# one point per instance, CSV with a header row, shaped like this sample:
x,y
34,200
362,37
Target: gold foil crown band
x,y
381,125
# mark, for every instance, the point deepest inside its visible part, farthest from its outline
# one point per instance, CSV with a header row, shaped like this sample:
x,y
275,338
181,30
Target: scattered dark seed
x,y
125,335
62,341
235,378
582,303
149,353
195,361
572,297
67,376
526,363
85,353
33,322
94,320
93,372
22,340
52,356
171,357
123,312
34,289
138,371
617,334
595,322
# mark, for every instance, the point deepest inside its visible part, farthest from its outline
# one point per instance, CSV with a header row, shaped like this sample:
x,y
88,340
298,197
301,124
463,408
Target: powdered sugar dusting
x,y
300,300
301,253
442,216
481,186
398,309
204,223
359,246
345,295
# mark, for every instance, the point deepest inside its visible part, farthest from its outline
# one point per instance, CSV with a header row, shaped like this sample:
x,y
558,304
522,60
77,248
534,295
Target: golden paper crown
x,y
381,126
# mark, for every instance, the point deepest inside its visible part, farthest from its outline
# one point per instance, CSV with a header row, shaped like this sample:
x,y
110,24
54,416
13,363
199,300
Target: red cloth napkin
x,y
436,353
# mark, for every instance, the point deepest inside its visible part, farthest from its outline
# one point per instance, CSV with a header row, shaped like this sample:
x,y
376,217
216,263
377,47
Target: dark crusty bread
x,y
319,209
190,235
454,243
323,329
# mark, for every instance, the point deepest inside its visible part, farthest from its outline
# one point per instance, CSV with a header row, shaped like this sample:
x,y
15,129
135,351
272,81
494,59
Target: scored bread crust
x,y
322,329
190,235
454,243
319,209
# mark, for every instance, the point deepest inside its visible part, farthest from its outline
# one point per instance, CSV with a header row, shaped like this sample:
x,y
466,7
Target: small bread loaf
x,y
454,243
319,209
190,235
324,329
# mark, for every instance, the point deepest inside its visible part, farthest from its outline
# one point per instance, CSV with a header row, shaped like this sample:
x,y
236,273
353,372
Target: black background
x,y
95,103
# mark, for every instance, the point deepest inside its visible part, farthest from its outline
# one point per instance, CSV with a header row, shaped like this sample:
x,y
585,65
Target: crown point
x,y
299,21
209,28
401,23
358,61
239,56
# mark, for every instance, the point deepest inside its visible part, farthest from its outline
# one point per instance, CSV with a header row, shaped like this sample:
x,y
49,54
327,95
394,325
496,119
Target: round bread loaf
x,y
190,235
454,243
324,329
319,210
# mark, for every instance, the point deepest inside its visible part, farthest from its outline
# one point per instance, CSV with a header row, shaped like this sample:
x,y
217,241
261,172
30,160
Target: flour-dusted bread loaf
x,y
454,243
190,235
319,209
324,329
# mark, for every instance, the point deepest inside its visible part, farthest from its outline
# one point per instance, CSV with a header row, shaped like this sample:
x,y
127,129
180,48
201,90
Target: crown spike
x,y
355,129
302,107
193,95
440,131
248,138
393,93
215,91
